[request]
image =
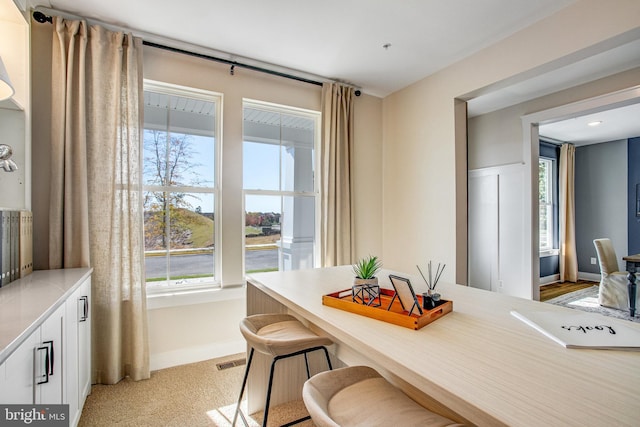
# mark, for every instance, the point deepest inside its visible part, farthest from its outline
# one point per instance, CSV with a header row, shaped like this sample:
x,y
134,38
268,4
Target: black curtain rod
x,y
232,63
42,18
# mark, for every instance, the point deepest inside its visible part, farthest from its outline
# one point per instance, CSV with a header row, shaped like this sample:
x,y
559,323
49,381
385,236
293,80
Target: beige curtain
x,y
568,256
96,205
337,230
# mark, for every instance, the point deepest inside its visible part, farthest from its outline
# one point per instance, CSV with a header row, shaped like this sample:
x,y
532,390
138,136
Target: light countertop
x,y
26,302
478,360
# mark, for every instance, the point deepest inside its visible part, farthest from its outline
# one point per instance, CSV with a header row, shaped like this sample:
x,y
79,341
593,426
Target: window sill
x,y
190,297
549,252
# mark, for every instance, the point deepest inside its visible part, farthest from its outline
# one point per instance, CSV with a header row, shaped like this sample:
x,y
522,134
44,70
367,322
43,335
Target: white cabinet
x,y
78,345
33,373
45,341
48,360
17,383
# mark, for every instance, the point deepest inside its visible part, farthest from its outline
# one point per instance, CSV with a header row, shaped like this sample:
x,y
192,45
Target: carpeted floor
x,y
191,395
587,300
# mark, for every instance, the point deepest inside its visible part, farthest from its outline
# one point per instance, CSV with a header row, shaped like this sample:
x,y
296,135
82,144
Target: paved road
x,y
203,263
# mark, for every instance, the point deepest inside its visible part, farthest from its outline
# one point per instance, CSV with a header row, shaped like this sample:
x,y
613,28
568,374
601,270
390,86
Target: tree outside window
x,y
179,158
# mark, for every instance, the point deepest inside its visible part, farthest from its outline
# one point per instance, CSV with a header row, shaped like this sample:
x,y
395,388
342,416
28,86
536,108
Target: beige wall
x,y
245,84
409,165
184,70
188,333
15,118
367,176
496,138
195,331
41,38
421,175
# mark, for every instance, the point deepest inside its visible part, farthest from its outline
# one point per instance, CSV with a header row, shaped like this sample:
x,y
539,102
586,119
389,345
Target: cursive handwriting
x,y
584,329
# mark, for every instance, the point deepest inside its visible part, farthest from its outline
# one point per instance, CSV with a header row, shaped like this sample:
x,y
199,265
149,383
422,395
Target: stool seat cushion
x,y
279,334
359,396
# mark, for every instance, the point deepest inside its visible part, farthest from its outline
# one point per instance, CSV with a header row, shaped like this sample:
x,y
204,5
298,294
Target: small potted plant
x,y
365,289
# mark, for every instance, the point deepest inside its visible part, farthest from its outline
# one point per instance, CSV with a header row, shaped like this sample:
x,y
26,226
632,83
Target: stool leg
x,y
326,353
266,405
270,386
306,363
244,383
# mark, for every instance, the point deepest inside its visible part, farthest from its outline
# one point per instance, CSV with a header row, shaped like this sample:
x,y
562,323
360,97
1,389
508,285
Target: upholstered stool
x,y
279,336
359,396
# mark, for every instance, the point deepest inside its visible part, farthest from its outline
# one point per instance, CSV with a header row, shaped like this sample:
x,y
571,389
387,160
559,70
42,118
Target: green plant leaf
x,y
368,267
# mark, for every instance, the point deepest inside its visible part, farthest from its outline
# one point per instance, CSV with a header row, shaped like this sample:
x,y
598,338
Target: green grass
x,y
186,276
197,276
252,230
201,229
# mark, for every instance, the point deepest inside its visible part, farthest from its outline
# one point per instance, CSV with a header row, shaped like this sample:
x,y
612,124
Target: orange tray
x,y
396,315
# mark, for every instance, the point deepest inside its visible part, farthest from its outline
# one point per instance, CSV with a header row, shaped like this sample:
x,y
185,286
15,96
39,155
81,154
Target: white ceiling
x,y
617,124
343,40
335,39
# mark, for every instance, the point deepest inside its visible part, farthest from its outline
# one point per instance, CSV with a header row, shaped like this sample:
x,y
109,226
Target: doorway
x,y
530,129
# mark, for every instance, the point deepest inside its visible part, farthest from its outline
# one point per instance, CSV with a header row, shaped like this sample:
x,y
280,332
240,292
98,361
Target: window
x,y
180,183
281,193
545,180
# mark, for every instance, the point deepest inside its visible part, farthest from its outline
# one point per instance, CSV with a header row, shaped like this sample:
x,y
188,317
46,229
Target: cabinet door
x,y
71,357
50,388
17,373
78,354
84,341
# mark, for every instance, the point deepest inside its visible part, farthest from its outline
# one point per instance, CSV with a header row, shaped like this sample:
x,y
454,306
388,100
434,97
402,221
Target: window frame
x,y
172,287
316,116
548,205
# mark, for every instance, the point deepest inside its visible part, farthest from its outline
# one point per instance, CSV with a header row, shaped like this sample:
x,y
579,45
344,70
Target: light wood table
x,y
633,265
477,364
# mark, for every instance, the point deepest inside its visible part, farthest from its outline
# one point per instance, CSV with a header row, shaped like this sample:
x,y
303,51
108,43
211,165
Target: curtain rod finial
x,y
41,17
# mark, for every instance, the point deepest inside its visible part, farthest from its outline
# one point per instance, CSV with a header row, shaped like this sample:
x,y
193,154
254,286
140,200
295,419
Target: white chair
x,y
614,292
279,336
358,396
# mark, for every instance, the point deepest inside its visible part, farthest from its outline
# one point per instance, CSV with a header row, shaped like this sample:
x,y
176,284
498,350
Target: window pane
x,y
155,156
179,150
279,172
298,231
545,227
192,236
297,153
262,233
155,243
545,179
542,180
202,172
179,140
297,167
261,166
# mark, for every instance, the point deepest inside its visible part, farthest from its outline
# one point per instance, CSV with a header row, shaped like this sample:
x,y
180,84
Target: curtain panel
x,y
96,201
337,229
568,254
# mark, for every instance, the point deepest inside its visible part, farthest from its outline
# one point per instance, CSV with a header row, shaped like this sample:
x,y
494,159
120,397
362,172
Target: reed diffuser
x,y
430,298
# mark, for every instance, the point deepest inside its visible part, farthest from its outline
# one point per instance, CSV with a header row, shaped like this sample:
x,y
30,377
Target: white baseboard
x,y
549,279
594,277
195,354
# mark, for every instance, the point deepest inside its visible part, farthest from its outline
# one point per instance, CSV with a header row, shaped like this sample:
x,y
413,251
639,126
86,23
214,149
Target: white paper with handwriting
x,y
582,330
